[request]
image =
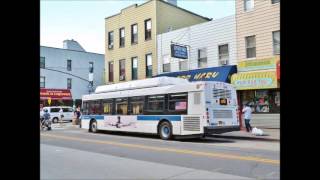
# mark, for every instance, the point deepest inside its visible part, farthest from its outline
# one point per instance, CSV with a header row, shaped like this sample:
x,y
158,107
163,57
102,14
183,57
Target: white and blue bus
x,y
166,106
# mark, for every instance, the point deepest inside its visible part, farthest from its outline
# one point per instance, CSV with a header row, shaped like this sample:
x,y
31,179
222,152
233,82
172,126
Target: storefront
x,y
259,89
258,83
55,97
222,74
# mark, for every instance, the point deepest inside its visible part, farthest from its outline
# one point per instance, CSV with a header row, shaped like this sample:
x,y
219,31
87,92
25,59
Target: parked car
x,y
55,113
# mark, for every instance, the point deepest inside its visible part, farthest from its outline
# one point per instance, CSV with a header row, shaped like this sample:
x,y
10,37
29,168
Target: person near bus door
x,y
247,116
78,114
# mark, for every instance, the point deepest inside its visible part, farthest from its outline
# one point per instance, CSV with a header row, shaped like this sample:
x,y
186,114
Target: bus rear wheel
x,y
165,130
93,127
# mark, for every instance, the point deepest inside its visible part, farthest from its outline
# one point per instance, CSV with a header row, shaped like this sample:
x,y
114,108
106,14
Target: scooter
x,y
45,123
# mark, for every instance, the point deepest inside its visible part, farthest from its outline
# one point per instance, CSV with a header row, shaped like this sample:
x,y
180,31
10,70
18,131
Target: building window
x,y
223,54
251,46
248,5
183,65
166,63
42,62
69,82
134,69
110,40
134,33
147,29
110,71
122,70
275,1
148,65
42,82
202,57
276,42
69,65
121,37
90,67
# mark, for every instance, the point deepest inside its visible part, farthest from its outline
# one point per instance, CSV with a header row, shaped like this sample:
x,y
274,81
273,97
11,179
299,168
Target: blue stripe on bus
x,y
97,117
158,118
139,117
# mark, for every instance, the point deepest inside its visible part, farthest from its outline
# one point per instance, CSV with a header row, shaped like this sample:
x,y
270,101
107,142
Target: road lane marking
x,y
181,151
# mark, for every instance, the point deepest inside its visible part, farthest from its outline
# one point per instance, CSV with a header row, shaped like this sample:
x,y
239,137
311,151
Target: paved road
x,y
74,153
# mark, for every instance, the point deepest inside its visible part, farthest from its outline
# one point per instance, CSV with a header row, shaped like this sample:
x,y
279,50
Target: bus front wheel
x,y
93,127
165,130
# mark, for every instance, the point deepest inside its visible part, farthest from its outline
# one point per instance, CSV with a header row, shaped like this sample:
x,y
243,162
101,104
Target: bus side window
x,y
97,107
121,106
178,103
91,107
155,104
136,105
84,108
107,106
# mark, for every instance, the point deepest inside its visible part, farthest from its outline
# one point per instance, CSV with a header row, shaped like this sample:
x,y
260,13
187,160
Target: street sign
x,y
178,51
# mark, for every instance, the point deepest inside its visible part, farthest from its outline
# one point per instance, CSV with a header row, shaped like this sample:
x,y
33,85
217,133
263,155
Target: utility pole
x,y
91,77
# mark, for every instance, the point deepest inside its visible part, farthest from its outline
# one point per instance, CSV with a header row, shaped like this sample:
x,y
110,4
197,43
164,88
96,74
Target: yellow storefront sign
x,y
258,64
255,80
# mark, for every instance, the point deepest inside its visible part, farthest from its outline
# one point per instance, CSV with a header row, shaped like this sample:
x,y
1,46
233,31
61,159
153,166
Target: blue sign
x,y
222,74
178,51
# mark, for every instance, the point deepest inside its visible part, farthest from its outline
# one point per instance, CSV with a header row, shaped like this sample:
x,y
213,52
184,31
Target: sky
x,y
83,20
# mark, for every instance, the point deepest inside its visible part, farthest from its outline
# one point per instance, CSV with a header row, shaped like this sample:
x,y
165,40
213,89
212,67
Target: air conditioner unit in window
x,y
110,46
224,62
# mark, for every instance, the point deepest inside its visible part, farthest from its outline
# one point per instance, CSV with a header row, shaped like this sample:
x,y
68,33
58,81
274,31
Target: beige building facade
x,y
131,46
258,55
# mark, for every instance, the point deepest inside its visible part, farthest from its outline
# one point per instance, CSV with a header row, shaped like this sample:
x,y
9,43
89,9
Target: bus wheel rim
x,y
165,131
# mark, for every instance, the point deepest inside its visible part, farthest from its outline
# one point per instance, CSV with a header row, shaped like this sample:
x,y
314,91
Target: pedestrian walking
x,y
78,114
61,116
247,116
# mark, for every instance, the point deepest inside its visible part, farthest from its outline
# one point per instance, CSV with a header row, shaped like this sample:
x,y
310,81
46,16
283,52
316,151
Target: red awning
x,y
55,94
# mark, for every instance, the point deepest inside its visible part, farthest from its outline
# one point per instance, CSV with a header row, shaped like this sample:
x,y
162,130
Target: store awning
x,y
55,94
222,74
255,80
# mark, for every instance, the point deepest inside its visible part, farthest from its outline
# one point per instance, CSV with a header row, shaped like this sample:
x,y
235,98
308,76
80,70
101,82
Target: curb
x,y
245,138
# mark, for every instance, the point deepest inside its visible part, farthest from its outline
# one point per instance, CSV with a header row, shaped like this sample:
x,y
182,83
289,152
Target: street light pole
x,y
91,78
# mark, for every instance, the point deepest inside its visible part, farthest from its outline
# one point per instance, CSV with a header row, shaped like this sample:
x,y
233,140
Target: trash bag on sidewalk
x,y
257,132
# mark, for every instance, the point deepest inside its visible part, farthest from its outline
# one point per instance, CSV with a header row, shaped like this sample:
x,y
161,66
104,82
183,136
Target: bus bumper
x,y
220,129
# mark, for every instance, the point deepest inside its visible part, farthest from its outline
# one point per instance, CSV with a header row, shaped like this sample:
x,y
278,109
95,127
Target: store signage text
x,y
255,83
199,76
55,93
259,64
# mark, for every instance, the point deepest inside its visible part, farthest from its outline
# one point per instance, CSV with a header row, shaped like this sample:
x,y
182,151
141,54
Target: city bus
x,y
166,106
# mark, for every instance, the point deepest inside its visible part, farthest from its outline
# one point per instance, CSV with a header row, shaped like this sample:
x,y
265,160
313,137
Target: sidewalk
x,y
269,135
